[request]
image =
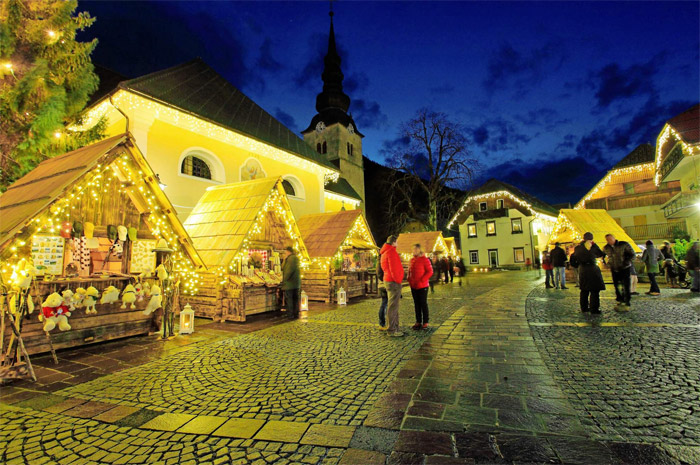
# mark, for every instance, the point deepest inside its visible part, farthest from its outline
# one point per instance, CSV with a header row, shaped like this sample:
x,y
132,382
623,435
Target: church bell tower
x,y
333,132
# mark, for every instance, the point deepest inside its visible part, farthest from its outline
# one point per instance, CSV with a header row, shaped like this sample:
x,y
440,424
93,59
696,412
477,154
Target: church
x,y
198,131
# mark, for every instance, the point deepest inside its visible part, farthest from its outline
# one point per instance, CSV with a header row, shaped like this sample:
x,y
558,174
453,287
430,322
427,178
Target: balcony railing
x,y
654,231
680,206
646,199
671,160
491,214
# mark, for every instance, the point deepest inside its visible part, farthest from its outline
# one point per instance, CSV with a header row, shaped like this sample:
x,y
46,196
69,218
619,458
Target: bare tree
x,y
433,164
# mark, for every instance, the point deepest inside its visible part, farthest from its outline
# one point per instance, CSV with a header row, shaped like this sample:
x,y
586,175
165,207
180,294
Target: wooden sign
x,y
142,257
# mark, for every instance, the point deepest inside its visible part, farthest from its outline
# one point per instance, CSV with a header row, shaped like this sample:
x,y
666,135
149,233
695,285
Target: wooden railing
x,y
654,231
649,199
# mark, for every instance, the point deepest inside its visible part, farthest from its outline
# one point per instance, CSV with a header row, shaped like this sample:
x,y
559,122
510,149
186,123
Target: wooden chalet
x,y
239,231
451,245
90,218
342,250
431,242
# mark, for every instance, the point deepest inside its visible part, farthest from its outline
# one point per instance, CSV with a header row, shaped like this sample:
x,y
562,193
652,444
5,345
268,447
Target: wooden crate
x,y
317,284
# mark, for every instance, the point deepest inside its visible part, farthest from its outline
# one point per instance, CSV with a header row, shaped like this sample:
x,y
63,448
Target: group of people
x,y
620,257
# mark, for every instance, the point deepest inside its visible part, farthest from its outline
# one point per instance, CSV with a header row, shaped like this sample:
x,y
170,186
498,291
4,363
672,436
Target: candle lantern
x,y
187,320
304,301
342,297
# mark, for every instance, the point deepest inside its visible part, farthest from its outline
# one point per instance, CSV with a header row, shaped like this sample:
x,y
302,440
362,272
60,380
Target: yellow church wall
x,y
168,145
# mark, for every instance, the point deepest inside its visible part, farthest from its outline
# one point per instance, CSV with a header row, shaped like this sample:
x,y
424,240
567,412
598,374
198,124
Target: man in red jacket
x,y
393,276
419,274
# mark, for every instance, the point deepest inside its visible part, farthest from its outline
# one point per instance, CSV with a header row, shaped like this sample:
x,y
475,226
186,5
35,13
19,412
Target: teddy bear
x,y
79,297
68,299
91,295
161,273
155,302
54,313
129,296
110,295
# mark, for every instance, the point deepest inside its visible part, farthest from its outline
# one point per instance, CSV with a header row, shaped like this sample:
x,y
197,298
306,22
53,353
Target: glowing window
x,y
195,166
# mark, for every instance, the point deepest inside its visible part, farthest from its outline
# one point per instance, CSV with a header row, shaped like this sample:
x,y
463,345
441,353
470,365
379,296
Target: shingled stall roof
x,y
34,193
451,246
194,87
687,124
643,153
572,224
225,215
325,233
430,241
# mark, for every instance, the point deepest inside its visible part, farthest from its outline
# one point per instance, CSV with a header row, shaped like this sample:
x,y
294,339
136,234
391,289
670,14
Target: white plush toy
x,y
91,295
54,313
68,299
155,302
161,273
110,295
129,296
79,297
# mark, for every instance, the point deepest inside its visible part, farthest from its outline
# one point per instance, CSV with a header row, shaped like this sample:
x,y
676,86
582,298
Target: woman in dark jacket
x,y
590,278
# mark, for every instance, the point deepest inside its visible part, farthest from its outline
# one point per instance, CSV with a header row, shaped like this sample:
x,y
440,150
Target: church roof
x,y
644,153
343,187
494,185
194,87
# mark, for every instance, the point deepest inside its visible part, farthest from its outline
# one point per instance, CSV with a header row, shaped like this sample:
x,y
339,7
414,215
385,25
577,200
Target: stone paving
x,y
331,389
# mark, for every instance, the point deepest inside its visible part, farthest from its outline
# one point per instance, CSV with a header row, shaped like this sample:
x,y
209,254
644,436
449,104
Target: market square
x,y
427,272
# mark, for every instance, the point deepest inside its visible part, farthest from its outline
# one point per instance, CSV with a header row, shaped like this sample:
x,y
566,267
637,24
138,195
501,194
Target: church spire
x,y
332,96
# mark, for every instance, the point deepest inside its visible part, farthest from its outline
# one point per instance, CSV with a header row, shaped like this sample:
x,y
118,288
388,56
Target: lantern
x,y
304,302
342,297
187,320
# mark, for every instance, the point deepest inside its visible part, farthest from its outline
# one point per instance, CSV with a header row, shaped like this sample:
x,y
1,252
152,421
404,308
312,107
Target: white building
x,y
502,226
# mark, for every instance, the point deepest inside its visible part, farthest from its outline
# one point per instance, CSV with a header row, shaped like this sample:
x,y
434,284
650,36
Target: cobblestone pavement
x,y
635,375
331,389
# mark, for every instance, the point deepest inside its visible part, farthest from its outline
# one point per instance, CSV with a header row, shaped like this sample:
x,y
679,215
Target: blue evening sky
x,y
551,94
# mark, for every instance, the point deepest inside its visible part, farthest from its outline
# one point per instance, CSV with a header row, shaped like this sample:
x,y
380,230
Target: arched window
x,y
318,148
293,187
195,166
325,147
288,188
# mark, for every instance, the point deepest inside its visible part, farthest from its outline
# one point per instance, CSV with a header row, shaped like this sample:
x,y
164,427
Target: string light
x,y
500,194
667,133
626,174
341,198
127,100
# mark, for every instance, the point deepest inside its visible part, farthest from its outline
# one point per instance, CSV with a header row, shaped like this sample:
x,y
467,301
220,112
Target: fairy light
x,y
341,198
626,174
135,103
669,133
124,171
500,194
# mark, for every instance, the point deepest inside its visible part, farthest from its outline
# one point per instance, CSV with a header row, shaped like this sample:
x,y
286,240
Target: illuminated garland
x,y
636,169
187,121
666,133
94,185
564,224
499,194
341,198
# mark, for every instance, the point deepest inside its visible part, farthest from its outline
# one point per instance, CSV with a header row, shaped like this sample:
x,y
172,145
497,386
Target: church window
x,y
195,166
324,148
288,188
318,148
350,149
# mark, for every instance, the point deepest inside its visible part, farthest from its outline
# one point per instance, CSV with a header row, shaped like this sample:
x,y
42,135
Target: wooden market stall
x,y
572,224
78,233
240,230
432,243
342,250
451,245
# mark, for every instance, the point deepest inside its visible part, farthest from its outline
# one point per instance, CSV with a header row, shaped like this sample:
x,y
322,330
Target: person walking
x,y
651,258
434,264
462,270
692,263
384,296
291,283
451,268
634,278
393,277
445,267
590,278
619,256
548,270
558,256
419,272
667,263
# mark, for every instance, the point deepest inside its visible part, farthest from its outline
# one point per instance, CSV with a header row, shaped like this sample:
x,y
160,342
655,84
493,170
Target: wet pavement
x,y
508,373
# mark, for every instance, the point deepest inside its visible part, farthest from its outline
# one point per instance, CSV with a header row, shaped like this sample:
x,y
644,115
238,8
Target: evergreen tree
x,y
46,78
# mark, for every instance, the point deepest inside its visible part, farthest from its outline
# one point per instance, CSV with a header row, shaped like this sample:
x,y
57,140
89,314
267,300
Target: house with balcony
x,y
502,226
677,159
632,198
